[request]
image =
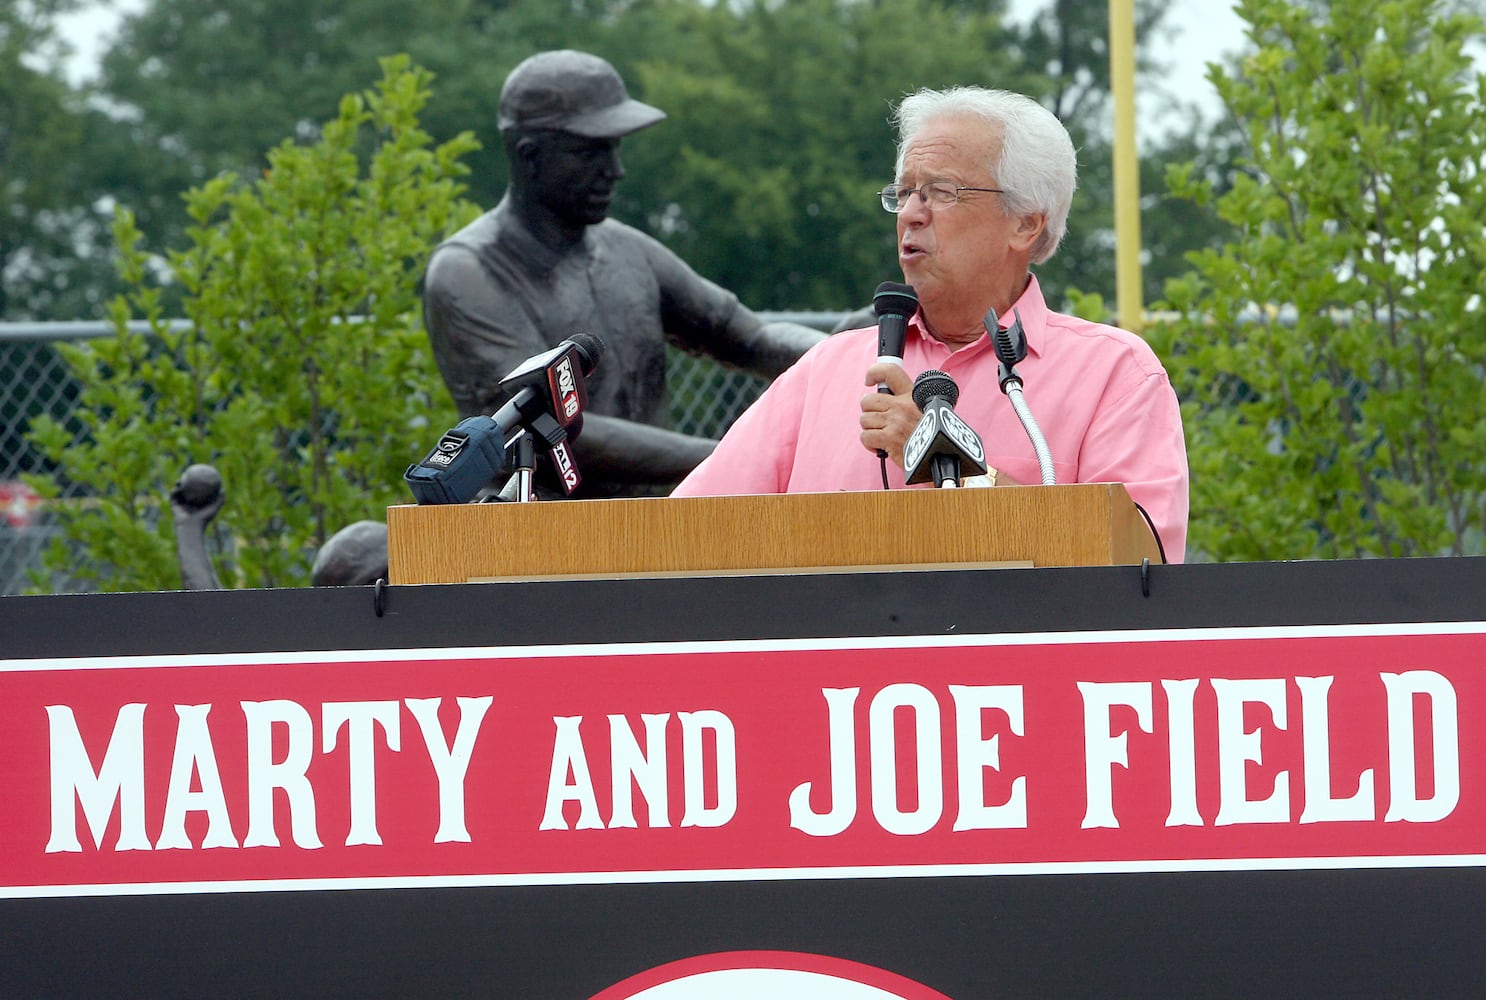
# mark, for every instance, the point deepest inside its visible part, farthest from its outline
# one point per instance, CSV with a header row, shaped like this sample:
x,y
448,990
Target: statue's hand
x,y
198,495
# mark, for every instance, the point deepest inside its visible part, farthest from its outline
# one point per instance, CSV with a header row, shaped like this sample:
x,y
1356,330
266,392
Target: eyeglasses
x,y
936,194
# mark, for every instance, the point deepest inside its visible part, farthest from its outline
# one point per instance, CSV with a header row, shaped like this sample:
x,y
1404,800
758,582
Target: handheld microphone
x,y
942,444
894,303
550,395
1011,348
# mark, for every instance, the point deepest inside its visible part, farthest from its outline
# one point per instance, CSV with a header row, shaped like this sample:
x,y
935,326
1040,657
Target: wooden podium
x,y
1093,524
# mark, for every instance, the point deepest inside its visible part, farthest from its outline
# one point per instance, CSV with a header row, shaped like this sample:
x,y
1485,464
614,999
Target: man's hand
x,y
887,420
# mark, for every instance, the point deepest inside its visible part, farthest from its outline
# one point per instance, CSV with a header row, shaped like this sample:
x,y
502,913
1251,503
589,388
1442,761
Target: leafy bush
x,y
1330,359
302,372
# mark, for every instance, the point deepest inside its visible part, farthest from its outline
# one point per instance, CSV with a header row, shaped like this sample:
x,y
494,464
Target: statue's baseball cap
x,y
573,92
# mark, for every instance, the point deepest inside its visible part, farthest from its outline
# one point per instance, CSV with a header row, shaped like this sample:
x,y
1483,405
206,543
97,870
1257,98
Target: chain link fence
x,y
34,380
704,400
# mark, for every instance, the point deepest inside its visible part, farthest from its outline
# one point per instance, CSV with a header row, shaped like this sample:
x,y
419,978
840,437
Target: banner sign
x,y
1198,749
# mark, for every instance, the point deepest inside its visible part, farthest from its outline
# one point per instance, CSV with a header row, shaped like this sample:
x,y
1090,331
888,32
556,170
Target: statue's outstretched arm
x,y
749,344
626,451
195,499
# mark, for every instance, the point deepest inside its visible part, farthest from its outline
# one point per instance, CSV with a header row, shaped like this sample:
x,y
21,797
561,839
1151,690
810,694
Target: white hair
x,y
1035,164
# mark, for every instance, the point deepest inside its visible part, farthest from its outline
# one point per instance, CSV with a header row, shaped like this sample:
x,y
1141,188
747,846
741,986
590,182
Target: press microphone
x,y
942,444
550,393
1011,348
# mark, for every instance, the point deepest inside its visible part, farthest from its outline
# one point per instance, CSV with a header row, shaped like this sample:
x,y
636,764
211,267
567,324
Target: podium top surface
x,y
1094,524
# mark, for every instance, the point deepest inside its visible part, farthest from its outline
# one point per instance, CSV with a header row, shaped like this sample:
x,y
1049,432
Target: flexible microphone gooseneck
x,y
1011,347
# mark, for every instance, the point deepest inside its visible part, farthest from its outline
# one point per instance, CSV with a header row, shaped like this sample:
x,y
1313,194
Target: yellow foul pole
x,y
1128,305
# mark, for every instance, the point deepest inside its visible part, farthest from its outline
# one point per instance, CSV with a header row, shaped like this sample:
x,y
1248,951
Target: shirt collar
x,y
1030,306
1033,310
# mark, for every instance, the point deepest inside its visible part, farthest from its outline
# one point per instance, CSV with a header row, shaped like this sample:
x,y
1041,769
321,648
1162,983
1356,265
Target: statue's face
x,y
575,177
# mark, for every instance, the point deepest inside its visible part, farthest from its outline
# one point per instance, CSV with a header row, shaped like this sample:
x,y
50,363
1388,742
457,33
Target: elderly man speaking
x,y
984,182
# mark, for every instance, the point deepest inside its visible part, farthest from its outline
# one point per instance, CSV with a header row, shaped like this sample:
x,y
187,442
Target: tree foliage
x,y
762,176
302,373
1069,41
1330,357
53,231
209,85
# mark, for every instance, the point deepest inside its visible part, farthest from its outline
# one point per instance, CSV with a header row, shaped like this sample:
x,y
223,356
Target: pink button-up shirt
x,y
1098,393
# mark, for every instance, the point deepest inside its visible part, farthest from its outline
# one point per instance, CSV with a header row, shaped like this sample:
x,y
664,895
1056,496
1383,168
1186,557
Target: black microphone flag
x,y
942,444
550,395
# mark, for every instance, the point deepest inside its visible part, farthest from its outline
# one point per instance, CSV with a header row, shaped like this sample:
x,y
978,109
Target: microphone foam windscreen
x,y
893,298
590,349
933,383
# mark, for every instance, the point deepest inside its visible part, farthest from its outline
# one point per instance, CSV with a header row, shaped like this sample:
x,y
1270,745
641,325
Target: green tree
x,y
1330,358
762,177
53,227
208,85
303,372
1068,41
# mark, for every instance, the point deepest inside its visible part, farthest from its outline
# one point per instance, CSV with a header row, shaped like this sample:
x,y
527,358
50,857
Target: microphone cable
x,y
1160,548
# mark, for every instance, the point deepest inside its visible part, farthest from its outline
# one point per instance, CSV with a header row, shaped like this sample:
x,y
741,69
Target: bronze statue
x,y
355,556
546,263
196,498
